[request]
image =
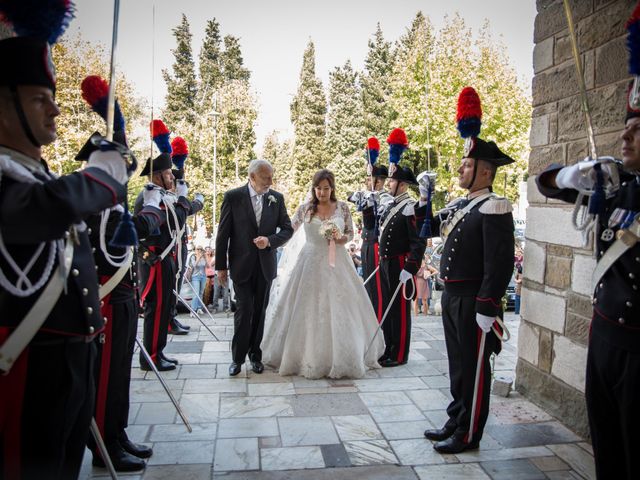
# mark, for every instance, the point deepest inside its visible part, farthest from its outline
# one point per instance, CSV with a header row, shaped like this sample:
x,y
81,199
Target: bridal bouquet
x,y
330,230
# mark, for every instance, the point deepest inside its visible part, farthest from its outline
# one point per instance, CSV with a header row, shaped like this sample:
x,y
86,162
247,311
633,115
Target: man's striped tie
x,y
257,208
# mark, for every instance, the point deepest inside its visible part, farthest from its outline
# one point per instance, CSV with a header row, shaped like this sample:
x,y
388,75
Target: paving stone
x,y
291,458
335,455
402,430
217,385
577,458
236,454
513,470
370,452
431,354
549,464
259,389
200,407
177,432
396,413
416,452
436,381
468,471
155,413
255,407
482,455
247,427
184,347
152,390
138,433
386,398
527,435
197,371
327,404
269,442
356,427
307,431
378,472
429,399
170,453
389,384
171,472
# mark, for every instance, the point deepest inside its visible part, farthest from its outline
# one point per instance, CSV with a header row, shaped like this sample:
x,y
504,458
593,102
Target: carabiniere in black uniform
x,y
613,360
46,397
476,266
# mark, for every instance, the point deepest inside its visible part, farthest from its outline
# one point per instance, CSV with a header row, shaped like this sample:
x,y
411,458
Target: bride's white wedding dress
x,y
319,321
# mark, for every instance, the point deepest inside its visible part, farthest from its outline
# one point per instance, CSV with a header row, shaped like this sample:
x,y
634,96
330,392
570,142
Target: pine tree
x,y
210,60
376,87
308,110
345,131
232,63
181,86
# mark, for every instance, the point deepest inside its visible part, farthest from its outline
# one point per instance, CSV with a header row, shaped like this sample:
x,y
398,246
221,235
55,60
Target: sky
x,y
274,33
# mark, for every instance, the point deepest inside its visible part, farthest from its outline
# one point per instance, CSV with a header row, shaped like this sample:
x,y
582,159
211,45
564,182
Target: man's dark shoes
x,y
257,366
162,365
234,369
181,325
439,434
454,444
383,358
390,362
122,460
175,329
135,449
167,359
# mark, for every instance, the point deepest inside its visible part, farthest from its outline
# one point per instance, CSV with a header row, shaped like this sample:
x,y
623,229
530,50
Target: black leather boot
x,y
135,449
122,460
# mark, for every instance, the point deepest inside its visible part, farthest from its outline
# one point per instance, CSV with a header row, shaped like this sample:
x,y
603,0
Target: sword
x,y
371,276
147,357
186,304
474,404
112,75
95,431
384,317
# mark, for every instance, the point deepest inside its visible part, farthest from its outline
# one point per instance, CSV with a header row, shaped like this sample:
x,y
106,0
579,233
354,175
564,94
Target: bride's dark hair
x,y
321,175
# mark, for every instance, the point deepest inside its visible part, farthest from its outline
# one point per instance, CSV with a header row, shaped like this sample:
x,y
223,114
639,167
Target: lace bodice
x,y
341,217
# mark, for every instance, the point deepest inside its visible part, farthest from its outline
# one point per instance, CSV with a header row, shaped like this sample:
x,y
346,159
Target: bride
x,y
320,321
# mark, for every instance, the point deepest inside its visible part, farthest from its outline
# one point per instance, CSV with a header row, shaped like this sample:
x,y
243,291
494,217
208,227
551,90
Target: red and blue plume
x,y
633,41
398,143
180,150
373,150
160,134
95,91
45,20
469,114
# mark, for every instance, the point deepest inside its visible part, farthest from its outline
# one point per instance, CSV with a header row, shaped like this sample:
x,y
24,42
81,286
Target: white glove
x,y
484,322
425,182
405,276
182,189
199,198
579,176
370,198
151,196
111,162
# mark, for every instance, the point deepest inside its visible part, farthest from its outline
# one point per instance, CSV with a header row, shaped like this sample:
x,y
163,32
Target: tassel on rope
x,y
597,201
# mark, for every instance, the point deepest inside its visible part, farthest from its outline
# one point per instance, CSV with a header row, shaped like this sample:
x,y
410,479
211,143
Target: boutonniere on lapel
x,y
271,199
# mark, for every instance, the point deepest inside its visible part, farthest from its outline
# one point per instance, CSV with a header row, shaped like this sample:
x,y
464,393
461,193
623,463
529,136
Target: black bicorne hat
x,y
161,163
488,151
379,171
27,61
404,174
178,173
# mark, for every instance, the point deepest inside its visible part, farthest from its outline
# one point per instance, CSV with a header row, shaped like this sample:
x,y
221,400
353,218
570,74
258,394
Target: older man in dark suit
x,y
253,224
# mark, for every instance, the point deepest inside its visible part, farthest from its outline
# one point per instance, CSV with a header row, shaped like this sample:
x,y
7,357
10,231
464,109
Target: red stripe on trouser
x,y
12,387
158,313
479,398
403,320
105,365
147,287
376,264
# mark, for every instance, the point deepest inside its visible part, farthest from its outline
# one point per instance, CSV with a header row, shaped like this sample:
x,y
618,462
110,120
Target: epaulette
x,y
496,206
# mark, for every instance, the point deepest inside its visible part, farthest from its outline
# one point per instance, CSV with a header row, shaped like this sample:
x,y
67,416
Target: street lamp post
x,y
215,115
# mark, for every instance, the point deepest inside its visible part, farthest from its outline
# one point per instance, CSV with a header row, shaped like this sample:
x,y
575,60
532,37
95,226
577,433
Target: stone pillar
x,y
556,308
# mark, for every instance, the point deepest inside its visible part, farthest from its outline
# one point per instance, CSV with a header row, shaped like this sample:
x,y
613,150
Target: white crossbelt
x,y
31,323
628,239
447,226
110,284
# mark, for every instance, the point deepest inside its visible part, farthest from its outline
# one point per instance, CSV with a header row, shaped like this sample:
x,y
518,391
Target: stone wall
x,y
556,308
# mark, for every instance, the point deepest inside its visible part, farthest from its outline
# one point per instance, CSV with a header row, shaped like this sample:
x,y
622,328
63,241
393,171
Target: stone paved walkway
x,y
271,427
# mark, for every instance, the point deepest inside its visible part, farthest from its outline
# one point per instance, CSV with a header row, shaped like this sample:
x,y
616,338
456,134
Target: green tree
x,y
280,154
376,88
182,85
232,63
308,111
346,137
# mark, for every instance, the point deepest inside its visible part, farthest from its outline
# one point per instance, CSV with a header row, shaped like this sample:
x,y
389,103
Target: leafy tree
x,y
375,81
232,63
182,85
308,111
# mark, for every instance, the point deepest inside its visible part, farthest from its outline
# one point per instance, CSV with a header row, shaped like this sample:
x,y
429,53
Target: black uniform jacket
x,y
31,213
238,228
477,257
617,296
400,236
145,221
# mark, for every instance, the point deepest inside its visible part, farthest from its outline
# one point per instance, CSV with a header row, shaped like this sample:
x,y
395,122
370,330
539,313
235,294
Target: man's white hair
x,y
258,164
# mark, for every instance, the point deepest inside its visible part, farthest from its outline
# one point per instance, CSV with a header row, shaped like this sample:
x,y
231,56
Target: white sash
x,y
447,226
